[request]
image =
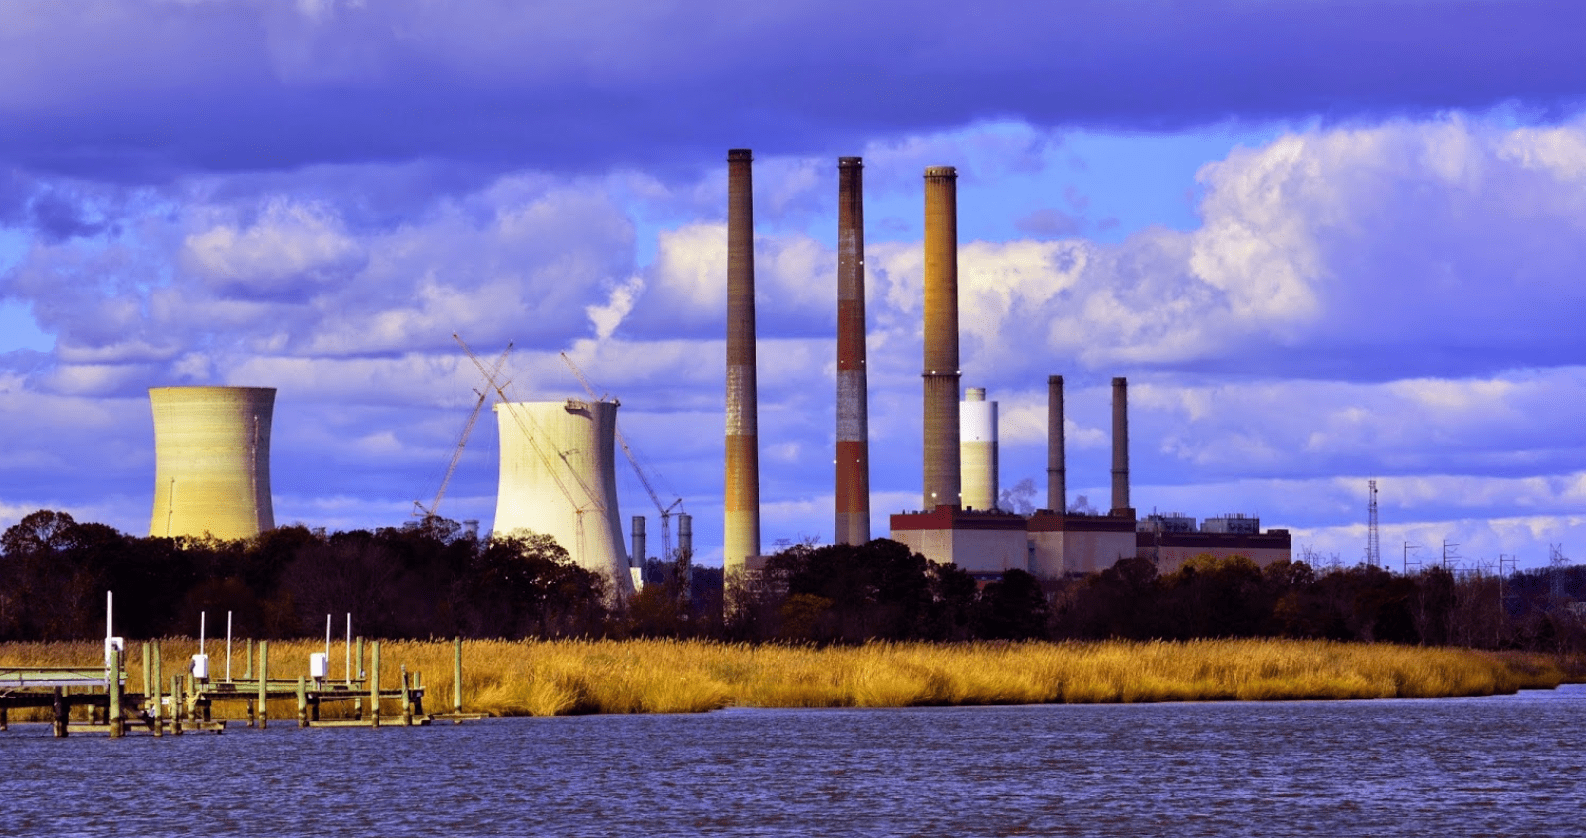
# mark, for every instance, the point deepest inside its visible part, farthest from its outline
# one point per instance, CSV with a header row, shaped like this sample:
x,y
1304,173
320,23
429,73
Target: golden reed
x,y
545,678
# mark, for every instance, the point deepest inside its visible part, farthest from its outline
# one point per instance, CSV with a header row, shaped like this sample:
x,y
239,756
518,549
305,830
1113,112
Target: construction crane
x,y
531,436
427,513
664,509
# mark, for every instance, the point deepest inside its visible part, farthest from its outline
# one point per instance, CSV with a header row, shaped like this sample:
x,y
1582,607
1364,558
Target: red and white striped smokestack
x,y
853,424
1120,448
1056,469
741,516
942,475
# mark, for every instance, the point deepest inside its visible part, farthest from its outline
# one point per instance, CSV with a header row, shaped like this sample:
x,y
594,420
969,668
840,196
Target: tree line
x,y
434,579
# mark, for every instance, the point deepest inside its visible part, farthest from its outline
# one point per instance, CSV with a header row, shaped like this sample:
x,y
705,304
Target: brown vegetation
x,y
564,677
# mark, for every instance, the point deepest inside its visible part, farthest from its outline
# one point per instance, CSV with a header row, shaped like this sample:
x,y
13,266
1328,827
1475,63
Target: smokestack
x,y
639,554
853,423
1056,470
977,450
942,477
1120,448
742,513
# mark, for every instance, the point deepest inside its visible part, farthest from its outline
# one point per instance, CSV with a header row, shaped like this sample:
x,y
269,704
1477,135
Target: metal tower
x,y
1373,546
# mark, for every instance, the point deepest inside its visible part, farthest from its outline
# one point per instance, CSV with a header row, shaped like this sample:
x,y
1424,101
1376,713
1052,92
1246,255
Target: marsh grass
x,y
546,678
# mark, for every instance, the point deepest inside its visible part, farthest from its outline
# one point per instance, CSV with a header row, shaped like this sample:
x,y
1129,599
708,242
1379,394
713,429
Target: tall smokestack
x,y
942,476
977,450
742,513
1056,470
853,423
1120,448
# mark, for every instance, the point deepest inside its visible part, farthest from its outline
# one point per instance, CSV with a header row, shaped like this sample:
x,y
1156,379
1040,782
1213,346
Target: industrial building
x,y
558,478
960,522
212,461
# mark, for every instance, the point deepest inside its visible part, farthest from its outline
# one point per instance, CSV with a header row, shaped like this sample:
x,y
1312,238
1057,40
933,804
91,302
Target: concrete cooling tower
x,y
558,478
212,461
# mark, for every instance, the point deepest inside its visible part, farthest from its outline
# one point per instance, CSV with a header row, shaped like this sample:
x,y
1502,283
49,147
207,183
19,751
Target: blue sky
x,y
1326,241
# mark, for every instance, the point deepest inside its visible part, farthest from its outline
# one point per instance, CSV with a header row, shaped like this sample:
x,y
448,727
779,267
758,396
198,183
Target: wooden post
x,y
418,697
190,697
374,684
457,677
357,665
248,666
118,725
146,689
302,702
155,677
264,681
177,705
407,699
61,710
5,721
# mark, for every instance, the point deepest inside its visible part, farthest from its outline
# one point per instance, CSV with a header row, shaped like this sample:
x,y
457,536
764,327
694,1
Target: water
x,y
1508,765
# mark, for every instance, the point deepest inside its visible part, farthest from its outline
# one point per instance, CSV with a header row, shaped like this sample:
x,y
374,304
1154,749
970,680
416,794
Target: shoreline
x,y
582,677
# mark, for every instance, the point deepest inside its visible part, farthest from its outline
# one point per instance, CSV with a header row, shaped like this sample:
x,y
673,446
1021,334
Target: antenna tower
x,y
1373,546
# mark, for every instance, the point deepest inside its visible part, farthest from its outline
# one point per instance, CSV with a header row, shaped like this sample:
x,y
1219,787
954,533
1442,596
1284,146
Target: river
x,y
1506,765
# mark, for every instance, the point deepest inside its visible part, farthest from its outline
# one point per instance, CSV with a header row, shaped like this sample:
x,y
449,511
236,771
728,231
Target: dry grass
x,y
546,678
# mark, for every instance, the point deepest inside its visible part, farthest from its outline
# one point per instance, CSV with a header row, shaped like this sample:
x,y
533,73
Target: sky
x,y
1327,241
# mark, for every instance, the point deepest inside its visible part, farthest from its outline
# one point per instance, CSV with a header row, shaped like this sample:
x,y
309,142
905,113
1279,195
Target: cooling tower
x,y
558,479
1120,448
853,424
1056,469
212,461
941,337
977,449
741,515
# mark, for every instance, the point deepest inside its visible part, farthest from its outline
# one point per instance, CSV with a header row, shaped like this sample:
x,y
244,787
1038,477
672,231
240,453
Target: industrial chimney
x,y
1056,470
853,424
977,449
942,476
741,515
212,461
558,478
1120,449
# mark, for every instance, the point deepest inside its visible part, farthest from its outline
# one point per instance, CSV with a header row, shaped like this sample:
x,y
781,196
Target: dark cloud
x,y
143,90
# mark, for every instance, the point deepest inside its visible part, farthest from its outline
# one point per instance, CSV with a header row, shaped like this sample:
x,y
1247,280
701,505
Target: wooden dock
x,y
186,702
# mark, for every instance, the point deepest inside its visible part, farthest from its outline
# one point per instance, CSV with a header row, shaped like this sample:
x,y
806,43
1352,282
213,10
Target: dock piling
x,y
60,709
302,702
457,677
113,710
155,701
264,680
374,684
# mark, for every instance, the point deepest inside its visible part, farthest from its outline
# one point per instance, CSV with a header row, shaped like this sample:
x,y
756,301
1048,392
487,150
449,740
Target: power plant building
x,y
558,478
212,461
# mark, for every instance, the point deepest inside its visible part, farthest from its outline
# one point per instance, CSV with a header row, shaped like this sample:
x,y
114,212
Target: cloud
x,y
152,89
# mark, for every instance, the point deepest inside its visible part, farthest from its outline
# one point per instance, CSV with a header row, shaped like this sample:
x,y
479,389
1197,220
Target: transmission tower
x,y
1373,546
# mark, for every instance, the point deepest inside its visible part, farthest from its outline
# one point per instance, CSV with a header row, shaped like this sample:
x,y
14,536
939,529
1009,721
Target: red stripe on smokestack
x,y
742,513
942,476
853,424
1120,448
1056,470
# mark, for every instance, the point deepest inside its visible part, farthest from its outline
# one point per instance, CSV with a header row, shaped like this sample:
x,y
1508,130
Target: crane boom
x,y
462,440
